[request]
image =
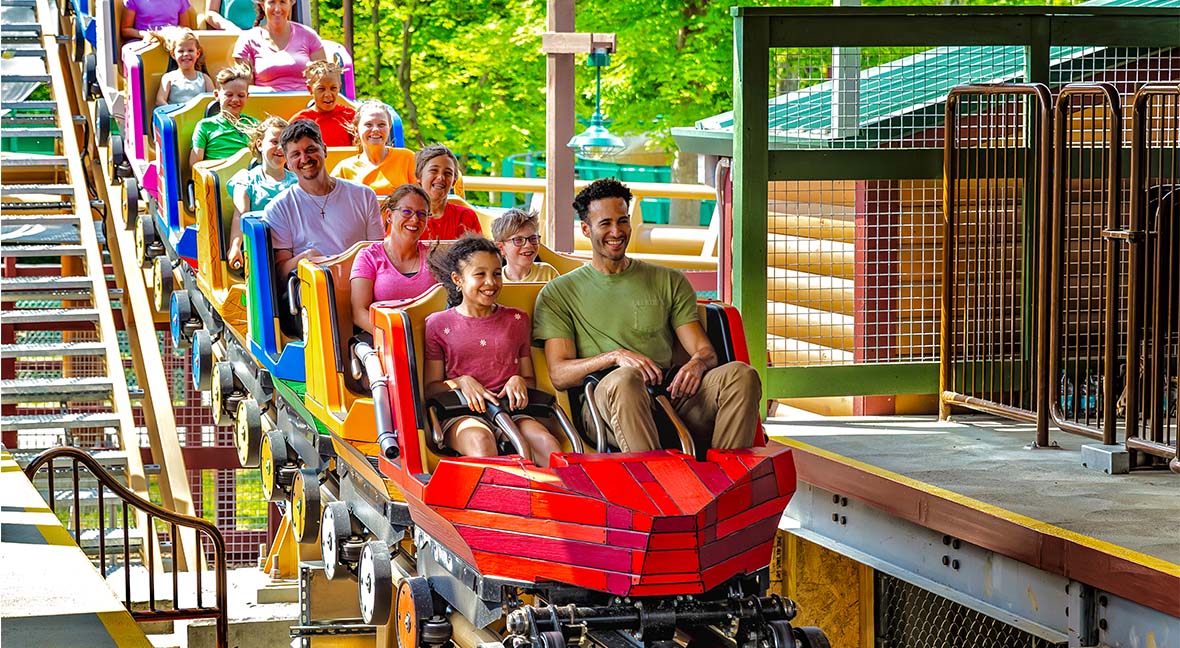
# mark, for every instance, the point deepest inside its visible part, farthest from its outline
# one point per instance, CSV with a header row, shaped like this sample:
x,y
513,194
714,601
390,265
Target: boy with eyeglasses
x,y
515,234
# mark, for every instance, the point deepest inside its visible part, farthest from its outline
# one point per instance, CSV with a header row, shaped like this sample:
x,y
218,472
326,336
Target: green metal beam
x,y
852,380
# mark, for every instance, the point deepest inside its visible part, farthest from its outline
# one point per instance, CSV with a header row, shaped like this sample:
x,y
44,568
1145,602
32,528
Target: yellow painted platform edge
x,y
1152,562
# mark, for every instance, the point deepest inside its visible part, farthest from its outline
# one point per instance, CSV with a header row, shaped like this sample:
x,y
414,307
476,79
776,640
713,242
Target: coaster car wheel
x,y
91,75
335,530
146,242
222,389
305,505
248,432
179,313
161,283
415,606
275,457
810,637
202,360
375,585
120,168
102,123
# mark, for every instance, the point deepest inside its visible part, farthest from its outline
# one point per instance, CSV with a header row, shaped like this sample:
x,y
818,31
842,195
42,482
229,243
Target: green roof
x,y
907,96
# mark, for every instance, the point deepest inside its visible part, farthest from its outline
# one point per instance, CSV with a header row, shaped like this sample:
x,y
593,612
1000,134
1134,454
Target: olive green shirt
x,y
638,309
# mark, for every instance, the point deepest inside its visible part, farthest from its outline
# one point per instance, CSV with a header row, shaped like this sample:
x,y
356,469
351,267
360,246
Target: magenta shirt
x,y
488,349
279,70
373,263
154,14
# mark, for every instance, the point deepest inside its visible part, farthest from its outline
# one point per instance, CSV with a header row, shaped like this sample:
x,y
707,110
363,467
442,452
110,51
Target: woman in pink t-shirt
x,y
279,50
394,268
482,349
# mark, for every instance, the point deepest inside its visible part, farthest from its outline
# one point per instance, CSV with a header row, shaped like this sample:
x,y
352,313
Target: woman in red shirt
x,y
437,169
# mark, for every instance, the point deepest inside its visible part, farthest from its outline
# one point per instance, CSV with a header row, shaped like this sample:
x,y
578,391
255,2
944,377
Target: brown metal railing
x,y
1153,366
174,521
998,141
1084,299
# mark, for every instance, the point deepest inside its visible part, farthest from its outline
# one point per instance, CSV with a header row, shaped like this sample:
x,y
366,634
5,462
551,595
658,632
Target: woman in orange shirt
x,y
378,166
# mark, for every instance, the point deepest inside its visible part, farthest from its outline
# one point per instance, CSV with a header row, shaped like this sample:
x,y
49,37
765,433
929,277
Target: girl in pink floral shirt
x,y
482,349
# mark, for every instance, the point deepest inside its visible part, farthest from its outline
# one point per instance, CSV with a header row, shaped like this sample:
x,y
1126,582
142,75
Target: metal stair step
x,y
26,119
17,390
36,205
35,161
52,349
17,131
67,420
47,315
25,78
39,189
39,219
31,104
25,251
21,288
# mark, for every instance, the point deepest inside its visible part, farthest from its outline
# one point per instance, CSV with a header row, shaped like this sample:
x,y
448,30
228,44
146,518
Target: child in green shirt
x,y
223,135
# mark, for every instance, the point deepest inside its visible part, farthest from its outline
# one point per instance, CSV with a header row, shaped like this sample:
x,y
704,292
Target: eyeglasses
x,y
406,213
519,241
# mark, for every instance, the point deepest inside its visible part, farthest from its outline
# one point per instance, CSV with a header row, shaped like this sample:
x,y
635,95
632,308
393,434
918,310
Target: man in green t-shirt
x,y
623,313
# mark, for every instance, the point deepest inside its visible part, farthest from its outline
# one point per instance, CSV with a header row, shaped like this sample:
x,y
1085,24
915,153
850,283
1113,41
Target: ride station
x,y
946,239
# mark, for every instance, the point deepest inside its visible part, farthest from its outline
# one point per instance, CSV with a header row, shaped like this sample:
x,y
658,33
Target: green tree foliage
x,y
470,73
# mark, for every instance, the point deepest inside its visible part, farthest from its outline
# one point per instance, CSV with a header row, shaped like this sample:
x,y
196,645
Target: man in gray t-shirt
x,y
321,215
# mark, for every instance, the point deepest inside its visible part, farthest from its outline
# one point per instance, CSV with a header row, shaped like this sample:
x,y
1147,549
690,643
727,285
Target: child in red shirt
x,y
482,349
333,118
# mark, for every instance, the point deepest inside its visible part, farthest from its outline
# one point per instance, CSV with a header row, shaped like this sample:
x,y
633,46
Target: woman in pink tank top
x,y
394,268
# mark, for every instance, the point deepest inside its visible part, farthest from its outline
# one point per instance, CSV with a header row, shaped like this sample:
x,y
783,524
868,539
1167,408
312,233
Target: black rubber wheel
x,y
102,122
90,78
130,194
202,360
811,637
552,639
335,529
305,505
374,579
221,389
161,284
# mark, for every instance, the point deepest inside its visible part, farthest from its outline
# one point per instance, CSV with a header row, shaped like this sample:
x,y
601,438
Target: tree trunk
x,y
348,24
376,42
314,10
404,79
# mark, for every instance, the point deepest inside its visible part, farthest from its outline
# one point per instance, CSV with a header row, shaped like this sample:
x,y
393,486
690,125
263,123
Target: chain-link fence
x,y
911,617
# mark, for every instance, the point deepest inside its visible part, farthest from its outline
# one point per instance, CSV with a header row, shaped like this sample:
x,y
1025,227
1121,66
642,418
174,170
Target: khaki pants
x,y
724,409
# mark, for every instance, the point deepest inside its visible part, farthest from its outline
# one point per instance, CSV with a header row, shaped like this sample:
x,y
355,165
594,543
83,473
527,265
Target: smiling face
x,y
408,220
438,176
608,228
186,54
277,11
479,279
233,95
324,89
272,152
521,256
305,158
373,126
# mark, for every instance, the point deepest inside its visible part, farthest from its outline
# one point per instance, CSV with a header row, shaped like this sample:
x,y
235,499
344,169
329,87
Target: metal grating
x,y
853,271
911,617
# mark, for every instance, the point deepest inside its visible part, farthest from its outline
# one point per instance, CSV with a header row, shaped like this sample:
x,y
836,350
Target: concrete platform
x,y
50,593
973,477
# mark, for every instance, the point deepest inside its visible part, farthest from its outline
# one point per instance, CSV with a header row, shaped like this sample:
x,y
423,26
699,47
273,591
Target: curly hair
x,y
258,133
319,70
598,190
445,262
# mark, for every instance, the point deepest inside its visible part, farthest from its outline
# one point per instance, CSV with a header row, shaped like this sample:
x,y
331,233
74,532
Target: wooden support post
x,y
559,129
877,283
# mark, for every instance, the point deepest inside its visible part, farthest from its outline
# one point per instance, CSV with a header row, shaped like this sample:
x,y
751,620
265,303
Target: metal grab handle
x,y
293,295
595,416
687,444
502,420
379,386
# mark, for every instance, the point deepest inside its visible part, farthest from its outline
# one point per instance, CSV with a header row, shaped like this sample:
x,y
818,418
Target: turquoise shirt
x,y
260,188
239,12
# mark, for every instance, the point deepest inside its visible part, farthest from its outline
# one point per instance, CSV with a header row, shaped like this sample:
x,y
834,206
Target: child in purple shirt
x,y
481,349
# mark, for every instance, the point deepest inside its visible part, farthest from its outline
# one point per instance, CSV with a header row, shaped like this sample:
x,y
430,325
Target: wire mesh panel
x,y
1153,333
1084,309
911,617
997,147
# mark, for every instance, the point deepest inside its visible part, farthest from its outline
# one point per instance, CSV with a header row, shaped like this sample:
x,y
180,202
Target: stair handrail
x,y
218,612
